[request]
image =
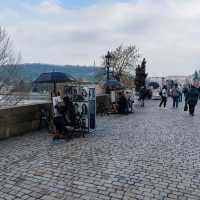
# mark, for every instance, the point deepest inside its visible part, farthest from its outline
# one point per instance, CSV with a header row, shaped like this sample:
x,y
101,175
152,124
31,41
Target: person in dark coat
x,y
185,91
175,96
122,103
69,111
142,95
192,99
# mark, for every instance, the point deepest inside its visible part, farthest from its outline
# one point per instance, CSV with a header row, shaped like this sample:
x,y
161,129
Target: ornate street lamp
x,y
108,58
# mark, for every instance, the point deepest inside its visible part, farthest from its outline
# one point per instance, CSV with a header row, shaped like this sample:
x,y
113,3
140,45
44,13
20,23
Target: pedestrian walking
x,y
180,94
163,96
192,99
185,91
127,96
175,96
142,94
199,91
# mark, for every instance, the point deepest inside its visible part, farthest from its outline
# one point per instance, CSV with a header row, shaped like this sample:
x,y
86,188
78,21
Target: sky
x,y
79,32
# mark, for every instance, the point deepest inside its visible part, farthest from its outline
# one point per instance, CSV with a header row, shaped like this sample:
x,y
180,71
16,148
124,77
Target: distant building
x,y
180,80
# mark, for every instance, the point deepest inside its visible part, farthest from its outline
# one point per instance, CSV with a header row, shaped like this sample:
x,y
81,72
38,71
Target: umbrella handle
x,y
54,87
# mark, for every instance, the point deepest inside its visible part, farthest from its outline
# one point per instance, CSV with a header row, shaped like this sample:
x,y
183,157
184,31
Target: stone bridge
x,y
152,154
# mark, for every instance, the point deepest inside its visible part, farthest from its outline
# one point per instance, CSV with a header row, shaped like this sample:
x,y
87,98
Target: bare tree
x,y
123,61
9,78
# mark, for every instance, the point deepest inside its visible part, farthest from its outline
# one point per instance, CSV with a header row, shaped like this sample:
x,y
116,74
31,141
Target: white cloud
x,y
166,31
50,8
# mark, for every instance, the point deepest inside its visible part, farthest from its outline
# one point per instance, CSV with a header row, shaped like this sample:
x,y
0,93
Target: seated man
x,y
70,114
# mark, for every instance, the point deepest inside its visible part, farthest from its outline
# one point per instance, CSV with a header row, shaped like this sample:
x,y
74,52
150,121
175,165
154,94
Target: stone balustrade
x,y
19,120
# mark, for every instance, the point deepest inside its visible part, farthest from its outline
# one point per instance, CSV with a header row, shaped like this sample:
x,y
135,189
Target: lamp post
x,y
107,63
108,59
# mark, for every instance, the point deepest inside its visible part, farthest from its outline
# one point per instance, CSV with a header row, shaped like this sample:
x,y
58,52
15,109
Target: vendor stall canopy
x,y
50,77
54,77
113,84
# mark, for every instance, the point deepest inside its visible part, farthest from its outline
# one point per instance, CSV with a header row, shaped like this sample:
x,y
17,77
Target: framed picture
x,y
68,90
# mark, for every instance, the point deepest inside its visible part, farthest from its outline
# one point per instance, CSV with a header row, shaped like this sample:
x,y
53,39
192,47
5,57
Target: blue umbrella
x,y
113,84
54,77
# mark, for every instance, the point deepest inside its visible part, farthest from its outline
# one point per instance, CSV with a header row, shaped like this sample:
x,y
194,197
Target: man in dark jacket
x,y
122,102
142,94
185,91
70,114
192,99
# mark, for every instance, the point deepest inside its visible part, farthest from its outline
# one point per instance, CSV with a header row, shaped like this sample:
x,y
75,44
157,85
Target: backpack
x,y
175,92
164,92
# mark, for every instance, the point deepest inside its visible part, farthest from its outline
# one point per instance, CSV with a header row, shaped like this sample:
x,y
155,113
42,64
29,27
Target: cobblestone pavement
x,y
151,154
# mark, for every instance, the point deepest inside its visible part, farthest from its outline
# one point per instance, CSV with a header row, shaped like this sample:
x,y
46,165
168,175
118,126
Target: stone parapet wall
x,y
20,119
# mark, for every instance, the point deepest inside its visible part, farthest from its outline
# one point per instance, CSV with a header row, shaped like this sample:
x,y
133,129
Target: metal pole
x,y
108,72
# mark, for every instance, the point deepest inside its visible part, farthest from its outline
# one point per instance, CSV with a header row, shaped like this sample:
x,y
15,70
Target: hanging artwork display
x,y
84,101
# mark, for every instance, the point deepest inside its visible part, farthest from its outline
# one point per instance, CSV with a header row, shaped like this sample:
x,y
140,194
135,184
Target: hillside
x,y
30,72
